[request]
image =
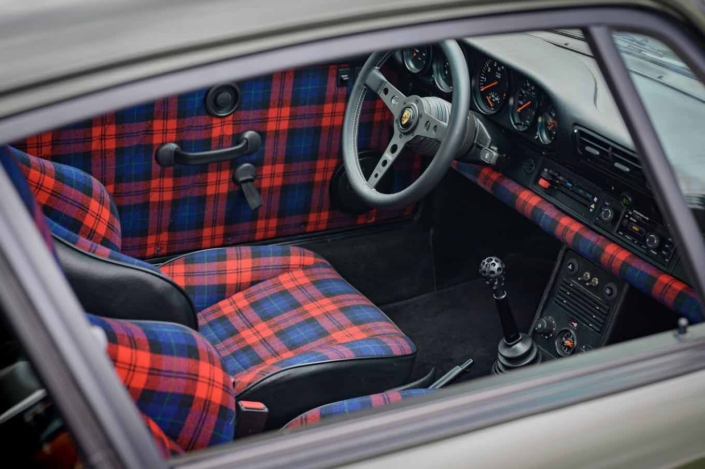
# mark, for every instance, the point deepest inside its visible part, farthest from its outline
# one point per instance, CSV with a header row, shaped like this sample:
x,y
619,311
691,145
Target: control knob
x,y
545,326
606,214
652,240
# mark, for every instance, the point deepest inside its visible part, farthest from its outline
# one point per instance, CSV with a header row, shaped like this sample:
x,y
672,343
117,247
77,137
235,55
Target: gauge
x,y
547,126
524,106
491,86
566,342
441,73
417,59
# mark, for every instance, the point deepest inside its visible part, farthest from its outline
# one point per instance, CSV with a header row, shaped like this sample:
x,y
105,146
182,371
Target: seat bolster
x,y
113,289
292,391
353,405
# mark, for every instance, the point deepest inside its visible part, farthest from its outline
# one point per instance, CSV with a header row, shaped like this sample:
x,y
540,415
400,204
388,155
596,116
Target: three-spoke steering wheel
x,y
415,118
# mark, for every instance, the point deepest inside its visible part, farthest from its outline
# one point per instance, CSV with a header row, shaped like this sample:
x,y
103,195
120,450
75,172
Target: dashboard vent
x,y
606,156
582,306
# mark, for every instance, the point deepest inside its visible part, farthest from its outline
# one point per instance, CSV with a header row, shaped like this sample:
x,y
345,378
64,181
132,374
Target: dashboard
x,y
513,100
568,142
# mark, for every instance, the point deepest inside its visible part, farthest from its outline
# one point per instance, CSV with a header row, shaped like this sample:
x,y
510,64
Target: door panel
x,y
299,115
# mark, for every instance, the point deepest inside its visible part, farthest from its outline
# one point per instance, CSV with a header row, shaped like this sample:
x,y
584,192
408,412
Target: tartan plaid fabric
x,y
215,274
73,199
165,445
648,279
175,377
307,315
10,164
299,115
350,406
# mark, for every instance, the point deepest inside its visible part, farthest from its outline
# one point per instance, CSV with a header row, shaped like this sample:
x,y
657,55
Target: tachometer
x,y
441,73
491,87
417,59
547,126
524,106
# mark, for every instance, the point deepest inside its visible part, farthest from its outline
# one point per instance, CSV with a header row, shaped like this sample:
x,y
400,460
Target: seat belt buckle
x,y
250,418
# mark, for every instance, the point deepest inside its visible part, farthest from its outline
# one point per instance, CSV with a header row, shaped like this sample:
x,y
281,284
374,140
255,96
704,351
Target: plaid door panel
x,y
176,379
298,113
304,316
212,275
646,278
350,406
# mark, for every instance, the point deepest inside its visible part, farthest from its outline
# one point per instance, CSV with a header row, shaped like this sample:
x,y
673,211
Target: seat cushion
x,y
308,315
215,274
353,405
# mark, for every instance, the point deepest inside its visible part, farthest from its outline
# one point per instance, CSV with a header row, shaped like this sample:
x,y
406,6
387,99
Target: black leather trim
x,y
116,290
292,391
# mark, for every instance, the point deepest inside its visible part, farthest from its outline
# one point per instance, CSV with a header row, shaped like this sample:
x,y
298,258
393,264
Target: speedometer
x,y
524,105
547,126
417,59
491,87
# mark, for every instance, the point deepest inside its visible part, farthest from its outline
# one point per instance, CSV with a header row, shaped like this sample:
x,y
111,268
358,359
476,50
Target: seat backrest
x,y
176,377
86,227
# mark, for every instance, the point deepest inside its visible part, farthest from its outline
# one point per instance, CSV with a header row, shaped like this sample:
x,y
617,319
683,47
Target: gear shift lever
x,y
515,349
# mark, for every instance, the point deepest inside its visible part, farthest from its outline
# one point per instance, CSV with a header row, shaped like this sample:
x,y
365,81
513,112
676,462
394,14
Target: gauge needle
x,y
489,101
521,108
488,86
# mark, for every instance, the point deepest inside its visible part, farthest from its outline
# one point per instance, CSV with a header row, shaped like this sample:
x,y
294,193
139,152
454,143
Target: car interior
x,y
270,254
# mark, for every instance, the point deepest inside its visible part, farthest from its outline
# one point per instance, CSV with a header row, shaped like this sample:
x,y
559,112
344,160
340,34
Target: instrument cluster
x,y
497,91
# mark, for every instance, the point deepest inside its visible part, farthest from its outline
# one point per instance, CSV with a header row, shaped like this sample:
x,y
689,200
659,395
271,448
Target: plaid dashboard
x,y
648,279
308,315
299,114
215,274
353,405
176,379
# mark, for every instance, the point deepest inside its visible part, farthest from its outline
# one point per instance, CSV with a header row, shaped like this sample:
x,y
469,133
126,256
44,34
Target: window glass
x,y
675,101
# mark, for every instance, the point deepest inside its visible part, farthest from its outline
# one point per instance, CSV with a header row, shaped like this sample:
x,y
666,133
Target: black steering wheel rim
x,y
451,135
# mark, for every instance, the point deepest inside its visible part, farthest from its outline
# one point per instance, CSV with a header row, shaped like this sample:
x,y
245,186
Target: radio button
x,y
652,240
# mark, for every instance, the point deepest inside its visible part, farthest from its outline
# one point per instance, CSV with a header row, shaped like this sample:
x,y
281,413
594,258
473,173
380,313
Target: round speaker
x,y
222,100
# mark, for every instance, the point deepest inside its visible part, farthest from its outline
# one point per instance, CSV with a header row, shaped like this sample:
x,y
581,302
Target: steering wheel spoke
x,y
387,92
390,154
431,127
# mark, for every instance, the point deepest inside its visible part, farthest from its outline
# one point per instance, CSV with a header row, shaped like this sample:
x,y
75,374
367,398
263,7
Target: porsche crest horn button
x,y
407,118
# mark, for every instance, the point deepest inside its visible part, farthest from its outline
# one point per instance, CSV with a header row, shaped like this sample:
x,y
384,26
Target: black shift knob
x,y
492,270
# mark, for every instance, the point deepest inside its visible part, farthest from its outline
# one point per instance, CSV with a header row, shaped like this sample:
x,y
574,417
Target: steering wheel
x,y
421,122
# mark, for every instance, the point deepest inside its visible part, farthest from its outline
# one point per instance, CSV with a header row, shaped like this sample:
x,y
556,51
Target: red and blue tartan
x,y
350,406
215,274
646,278
175,377
9,162
299,115
308,315
73,199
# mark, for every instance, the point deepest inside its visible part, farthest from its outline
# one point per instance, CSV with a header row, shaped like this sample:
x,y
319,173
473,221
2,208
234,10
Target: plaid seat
x,y
350,406
307,315
261,310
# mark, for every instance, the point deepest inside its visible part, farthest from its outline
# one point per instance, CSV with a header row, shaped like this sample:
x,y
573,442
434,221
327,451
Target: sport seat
x,y
275,324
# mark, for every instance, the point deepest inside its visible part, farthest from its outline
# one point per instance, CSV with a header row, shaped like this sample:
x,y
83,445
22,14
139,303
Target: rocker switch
x,y
244,176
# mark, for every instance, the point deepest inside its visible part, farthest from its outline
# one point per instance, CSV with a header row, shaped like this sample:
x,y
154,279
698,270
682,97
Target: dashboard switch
x,y
544,183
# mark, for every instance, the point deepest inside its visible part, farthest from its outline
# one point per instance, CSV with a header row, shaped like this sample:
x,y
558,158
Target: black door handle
x,y
171,154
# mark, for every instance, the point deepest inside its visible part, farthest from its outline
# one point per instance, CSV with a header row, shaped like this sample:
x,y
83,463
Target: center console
x,y
579,308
